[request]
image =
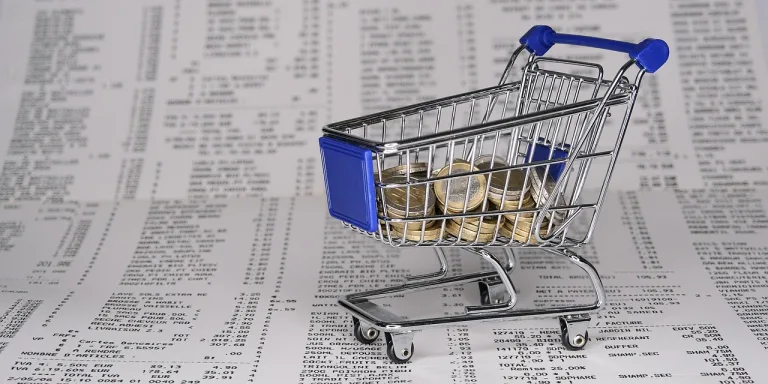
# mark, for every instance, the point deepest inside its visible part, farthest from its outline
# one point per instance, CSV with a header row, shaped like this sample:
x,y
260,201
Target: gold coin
x,y
410,225
542,189
487,225
496,199
393,212
453,199
430,232
522,224
530,239
467,234
526,230
413,199
528,221
558,216
500,182
541,193
440,207
396,213
521,236
417,171
402,169
514,205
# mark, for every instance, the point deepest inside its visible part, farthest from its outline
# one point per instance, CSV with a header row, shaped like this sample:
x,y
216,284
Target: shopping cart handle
x,y
649,54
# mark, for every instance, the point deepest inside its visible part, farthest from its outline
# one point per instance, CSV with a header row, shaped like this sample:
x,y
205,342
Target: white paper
x,y
164,218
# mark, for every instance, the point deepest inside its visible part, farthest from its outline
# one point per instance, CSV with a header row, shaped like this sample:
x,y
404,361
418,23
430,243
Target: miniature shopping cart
x,y
501,168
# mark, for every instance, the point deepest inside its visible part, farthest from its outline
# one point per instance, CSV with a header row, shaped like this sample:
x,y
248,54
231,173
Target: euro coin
x,y
414,199
521,223
509,184
400,225
528,203
440,207
541,193
528,238
467,234
414,232
396,213
520,235
403,169
543,186
487,225
462,188
417,171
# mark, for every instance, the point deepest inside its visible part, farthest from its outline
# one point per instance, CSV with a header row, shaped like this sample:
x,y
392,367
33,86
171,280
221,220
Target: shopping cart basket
x,y
503,166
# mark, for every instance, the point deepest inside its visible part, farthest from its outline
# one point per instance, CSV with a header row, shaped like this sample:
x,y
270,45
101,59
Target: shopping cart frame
x,y
351,185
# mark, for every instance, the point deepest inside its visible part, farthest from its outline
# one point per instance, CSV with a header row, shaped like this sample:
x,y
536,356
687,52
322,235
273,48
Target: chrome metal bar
x,y
611,165
586,266
502,274
575,208
419,286
479,129
569,164
360,306
511,259
433,275
533,164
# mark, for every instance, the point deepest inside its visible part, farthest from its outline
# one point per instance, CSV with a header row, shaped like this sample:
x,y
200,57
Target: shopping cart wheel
x,y
573,331
399,346
363,333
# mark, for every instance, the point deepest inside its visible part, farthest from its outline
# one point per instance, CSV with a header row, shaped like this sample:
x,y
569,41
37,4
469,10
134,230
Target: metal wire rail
x,y
503,166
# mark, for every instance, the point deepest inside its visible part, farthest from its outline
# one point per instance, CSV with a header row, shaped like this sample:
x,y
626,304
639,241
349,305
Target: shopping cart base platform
x,y
498,297
499,167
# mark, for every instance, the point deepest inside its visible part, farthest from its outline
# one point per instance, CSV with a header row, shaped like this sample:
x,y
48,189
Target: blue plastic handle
x,y
649,54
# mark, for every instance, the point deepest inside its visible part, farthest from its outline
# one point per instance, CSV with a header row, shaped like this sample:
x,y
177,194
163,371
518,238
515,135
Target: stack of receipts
x,y
163,215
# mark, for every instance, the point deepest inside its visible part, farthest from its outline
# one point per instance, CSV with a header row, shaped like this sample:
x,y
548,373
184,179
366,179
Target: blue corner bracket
x,y
349,183
541,152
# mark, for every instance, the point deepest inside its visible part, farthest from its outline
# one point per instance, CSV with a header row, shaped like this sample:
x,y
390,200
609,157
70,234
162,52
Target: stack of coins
x,y
507,188
417,169
464,193
543,187
474,229
521,230
431,231
408,202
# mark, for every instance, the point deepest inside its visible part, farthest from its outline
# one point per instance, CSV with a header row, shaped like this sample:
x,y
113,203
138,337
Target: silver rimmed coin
x,y
415,232
465,192
413,199
508,185
464,233
542,189
487,225
402,169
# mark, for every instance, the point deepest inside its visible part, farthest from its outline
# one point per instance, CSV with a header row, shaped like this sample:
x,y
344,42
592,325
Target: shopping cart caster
x,y
363,332
399,346
573,331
